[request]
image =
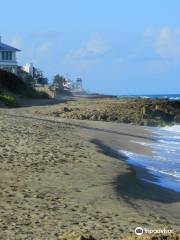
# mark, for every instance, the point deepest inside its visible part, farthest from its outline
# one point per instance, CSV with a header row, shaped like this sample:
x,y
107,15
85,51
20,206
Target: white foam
x,y
175,128
165,162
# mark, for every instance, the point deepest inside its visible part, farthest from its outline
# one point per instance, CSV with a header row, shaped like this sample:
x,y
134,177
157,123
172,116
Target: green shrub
x,y
8,100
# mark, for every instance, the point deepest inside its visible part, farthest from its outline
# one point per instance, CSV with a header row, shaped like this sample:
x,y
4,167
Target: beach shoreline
x,y
69,174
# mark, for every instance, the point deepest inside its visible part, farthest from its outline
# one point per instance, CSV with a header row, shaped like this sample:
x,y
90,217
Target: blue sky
x,y
116,46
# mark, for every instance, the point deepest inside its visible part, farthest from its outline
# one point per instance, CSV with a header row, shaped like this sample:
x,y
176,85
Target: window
x,y
10,55
7,55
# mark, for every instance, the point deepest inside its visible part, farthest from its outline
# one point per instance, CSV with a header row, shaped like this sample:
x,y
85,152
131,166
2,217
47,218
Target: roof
x,y
4,47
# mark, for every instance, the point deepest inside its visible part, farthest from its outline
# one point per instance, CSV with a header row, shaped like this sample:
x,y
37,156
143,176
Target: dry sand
x,y
59,176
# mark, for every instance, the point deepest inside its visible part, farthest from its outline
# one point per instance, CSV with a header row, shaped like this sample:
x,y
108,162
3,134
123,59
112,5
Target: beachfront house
x,y
8,60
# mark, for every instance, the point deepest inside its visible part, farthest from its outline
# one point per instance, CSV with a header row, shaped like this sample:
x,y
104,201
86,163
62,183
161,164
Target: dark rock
x,y
66,109
86,238
177,118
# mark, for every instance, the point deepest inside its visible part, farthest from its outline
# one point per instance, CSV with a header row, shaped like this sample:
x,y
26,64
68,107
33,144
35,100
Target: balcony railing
x,y
8,62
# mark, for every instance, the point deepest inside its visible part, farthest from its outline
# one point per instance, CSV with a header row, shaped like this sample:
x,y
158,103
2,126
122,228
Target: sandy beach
x,y
63,176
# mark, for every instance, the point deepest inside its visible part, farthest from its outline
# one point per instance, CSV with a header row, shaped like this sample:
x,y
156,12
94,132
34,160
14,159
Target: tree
x,y
42,80
59,80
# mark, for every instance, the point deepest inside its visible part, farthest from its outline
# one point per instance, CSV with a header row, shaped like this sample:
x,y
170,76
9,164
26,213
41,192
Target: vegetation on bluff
x,y
12,86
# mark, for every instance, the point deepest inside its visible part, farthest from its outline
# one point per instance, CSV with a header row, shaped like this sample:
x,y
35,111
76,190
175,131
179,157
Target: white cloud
x,y
89,55
158,49
96,44
167,44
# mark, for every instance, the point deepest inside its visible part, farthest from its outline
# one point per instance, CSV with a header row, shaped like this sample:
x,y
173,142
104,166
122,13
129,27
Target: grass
x,y
8,100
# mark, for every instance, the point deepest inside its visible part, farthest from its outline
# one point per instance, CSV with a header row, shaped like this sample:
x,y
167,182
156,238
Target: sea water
x,y
165,162
155,96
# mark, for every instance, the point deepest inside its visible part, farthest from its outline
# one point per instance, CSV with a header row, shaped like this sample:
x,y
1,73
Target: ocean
x,y
160,96
165,163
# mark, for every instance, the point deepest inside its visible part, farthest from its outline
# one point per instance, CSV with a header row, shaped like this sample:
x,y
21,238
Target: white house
x,y
29,68
8,60
32,71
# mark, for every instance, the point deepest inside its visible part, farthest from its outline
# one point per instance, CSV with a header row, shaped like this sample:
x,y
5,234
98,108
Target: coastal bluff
x,y
138,111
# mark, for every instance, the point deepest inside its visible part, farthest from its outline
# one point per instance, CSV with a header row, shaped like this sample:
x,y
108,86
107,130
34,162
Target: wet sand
x,y
60,176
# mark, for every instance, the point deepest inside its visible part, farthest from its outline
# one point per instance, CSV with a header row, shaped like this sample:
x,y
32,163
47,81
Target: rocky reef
x,y
149,112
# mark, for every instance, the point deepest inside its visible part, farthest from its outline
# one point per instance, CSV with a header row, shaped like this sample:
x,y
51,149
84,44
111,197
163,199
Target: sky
x,y
115,46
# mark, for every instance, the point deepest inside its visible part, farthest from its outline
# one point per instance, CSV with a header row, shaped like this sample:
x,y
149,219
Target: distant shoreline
x,y
121,96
